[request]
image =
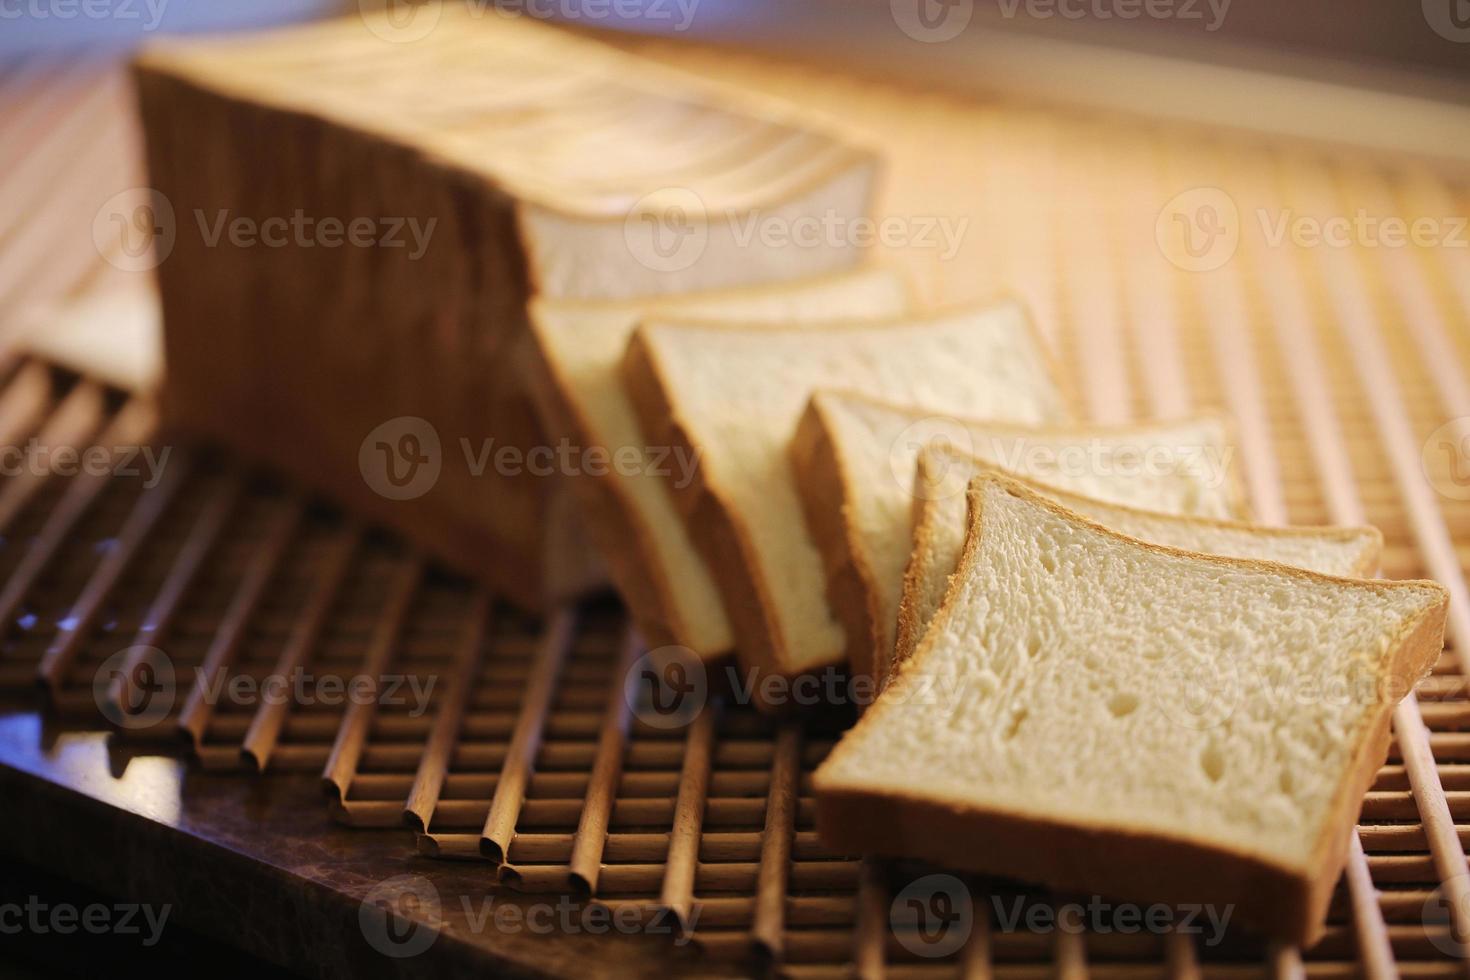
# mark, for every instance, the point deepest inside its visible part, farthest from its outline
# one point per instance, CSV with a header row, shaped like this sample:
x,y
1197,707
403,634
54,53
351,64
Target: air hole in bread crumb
x,y
1122,705
1033,645
1287,782
1015,726
1212,761
1049,561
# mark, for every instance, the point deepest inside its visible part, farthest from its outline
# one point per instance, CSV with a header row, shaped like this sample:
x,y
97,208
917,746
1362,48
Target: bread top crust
x,y
1408,653
317,70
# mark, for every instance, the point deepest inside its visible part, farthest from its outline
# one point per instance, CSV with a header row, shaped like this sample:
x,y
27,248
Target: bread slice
x,y
734,396
855,459
629,510
1103,715
939,536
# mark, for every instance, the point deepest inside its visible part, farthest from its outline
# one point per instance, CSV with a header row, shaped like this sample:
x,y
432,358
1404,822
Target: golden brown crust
x,y
713,525
910,626
1117,860
825,504
1110,861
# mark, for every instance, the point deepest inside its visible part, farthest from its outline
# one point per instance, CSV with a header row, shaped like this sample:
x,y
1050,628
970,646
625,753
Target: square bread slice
x,y
1102,715
855,459
939,536
628,510
733,395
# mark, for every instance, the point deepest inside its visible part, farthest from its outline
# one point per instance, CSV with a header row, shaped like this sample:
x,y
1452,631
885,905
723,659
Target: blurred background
x,y
1371,77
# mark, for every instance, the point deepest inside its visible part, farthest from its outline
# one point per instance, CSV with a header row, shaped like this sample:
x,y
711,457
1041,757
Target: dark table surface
x,y
256,863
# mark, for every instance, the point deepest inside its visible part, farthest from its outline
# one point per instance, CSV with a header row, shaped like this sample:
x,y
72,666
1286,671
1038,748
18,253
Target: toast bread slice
x,y
1101,714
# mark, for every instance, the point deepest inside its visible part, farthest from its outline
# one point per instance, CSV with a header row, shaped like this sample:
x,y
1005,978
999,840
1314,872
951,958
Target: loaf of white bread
x,y
1101,714
351,219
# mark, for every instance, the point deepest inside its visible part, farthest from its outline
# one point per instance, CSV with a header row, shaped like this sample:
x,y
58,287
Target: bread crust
x,y
1289,903
713,525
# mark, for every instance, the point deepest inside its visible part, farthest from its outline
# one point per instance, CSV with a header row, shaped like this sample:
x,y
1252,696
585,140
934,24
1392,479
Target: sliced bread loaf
x,y
855,459
733,395
939,536
628,508
1103,715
